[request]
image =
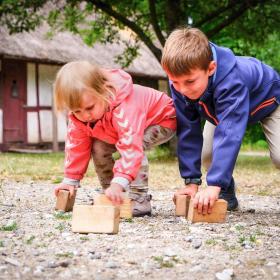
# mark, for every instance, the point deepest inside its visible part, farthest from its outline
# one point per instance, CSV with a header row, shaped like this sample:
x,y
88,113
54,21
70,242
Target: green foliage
x,y
62,215
254,134
11,227
65,255
19,16
30,239
60,227
248,27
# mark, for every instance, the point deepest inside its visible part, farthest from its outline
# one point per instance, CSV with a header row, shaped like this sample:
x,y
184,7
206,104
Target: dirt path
x,y
40,245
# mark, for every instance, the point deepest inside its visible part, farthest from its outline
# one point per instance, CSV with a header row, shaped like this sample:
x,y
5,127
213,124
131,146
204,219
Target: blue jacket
x,y
243,90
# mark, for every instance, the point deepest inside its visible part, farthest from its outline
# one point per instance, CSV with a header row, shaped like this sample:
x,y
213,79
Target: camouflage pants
x,y
103,161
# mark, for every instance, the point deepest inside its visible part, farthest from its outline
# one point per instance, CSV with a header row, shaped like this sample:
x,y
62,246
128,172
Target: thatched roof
x,y
65,47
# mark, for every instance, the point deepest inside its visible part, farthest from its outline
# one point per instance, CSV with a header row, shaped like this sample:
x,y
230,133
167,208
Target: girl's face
x,y
91,110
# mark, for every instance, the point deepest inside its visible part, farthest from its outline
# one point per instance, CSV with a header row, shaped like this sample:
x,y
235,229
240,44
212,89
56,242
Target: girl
x,y
108,113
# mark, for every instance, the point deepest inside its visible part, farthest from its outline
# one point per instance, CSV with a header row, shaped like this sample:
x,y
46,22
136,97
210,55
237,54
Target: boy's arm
x,y
189,137
232,111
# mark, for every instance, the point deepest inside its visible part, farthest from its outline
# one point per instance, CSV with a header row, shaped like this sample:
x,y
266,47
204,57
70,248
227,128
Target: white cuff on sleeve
x,y
121,181
72,182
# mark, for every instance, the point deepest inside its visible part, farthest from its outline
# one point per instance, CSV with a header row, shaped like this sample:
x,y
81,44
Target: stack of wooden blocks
x,y
185,208
102,217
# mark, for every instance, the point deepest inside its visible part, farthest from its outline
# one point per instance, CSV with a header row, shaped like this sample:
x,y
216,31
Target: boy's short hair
x,y
186,49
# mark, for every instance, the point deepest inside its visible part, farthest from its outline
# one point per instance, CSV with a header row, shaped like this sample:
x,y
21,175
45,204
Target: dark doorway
x,y
14,99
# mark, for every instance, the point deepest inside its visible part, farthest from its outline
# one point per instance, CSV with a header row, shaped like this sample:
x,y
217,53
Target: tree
x,y
227,21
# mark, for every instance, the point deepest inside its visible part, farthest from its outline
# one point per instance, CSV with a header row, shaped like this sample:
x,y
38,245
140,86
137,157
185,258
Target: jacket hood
x,y
123,84
225,60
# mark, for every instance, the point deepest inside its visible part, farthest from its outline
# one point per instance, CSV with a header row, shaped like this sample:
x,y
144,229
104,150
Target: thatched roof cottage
x,y
28,64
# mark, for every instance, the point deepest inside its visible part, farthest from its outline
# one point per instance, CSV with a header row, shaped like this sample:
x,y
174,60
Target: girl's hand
x,y
189,190
115,193
205,199
62,186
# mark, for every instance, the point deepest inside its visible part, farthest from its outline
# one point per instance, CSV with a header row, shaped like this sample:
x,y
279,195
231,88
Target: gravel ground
x,y
37,243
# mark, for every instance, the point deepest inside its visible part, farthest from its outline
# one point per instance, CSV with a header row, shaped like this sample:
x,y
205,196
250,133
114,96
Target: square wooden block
x,y
64,202
95,219
125,208
218,214
182,205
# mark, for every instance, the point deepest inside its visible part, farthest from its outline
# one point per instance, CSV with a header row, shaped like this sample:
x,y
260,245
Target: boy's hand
x,y
205,199
189,190
115,193
66,187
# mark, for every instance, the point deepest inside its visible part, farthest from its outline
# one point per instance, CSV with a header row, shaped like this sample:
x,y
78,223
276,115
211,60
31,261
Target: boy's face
x,y
193,84
91,108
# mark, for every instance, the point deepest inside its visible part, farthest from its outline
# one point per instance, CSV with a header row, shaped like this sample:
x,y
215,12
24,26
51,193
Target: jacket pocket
x,y
264,104
207,112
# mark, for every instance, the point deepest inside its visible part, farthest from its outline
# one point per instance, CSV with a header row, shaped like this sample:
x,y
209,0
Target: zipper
x,y
207,112
263,105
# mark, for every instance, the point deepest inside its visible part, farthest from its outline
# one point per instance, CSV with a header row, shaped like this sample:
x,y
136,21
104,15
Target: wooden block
x,y
218,214
95,219
63,201
125,208
182,205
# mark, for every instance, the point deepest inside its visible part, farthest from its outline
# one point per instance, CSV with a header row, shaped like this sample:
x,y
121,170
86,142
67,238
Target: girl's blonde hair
x,y
186,49
76,77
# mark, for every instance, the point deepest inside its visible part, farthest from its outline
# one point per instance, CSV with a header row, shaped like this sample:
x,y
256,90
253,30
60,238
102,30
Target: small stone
x,y
52,264
64,264
189,238
94,256
39,270
197,243
111,264
12,261
133,272
270,264
226,274
196,268
2,268
170,253
65,234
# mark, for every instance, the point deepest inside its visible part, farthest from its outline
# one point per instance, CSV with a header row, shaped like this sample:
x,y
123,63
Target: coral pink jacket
x,y
134,109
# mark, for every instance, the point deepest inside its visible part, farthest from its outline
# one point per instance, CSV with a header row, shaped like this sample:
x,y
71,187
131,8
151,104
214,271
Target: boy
x,y
208,81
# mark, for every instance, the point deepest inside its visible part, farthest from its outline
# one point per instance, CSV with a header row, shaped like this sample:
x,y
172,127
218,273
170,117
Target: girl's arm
x,y
78,148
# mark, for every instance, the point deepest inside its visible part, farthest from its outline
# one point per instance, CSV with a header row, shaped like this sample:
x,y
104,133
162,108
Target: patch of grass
x,y
65,255
30,239
62,216
239,227
128,220
60,227
264,192
11,227
84,238
49,234
1,243
160,153
211,242
165,263
252,238
57,180
231,248
256,262
241,239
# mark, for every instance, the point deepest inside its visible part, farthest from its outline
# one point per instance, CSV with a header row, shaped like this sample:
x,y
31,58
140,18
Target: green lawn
x,y
254,174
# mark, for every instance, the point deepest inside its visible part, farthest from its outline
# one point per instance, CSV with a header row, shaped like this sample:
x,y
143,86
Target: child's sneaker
x,y
141,204
230,197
